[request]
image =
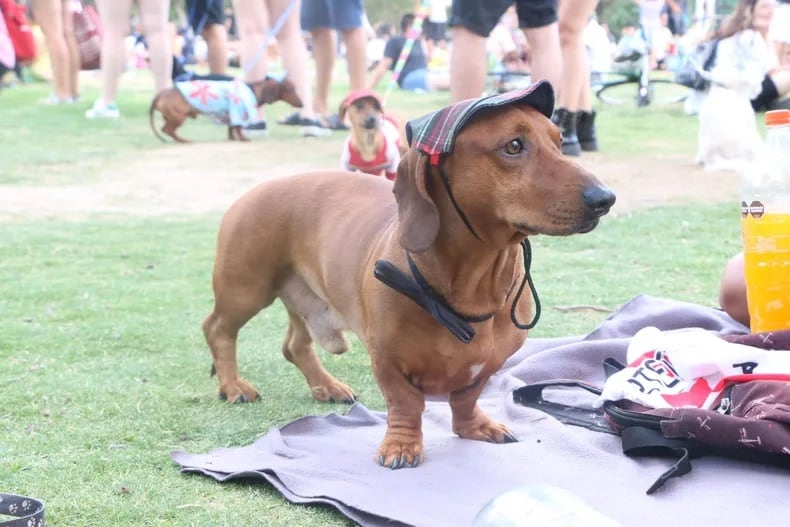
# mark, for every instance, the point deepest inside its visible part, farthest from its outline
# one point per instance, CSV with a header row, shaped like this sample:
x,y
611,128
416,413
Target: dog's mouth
x,y
581,227
586,226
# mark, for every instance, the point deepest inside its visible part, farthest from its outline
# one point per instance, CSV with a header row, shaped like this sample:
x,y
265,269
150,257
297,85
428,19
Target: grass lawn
x,y
103,366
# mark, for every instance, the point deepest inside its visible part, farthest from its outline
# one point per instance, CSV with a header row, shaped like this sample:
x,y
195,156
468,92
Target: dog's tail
x,y
151,117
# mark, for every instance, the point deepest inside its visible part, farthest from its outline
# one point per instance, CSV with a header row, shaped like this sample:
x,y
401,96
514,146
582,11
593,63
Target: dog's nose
x,y
599,199
370,122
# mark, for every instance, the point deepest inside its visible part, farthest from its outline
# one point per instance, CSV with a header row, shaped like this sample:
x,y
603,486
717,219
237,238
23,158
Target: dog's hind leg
x,y
170,130
235,304
298,349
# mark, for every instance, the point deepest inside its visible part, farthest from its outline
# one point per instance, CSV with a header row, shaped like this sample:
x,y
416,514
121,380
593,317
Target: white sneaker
x,y
314,128
100,110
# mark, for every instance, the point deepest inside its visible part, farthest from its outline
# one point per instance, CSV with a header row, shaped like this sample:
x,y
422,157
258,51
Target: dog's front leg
x,y
470,422
402,443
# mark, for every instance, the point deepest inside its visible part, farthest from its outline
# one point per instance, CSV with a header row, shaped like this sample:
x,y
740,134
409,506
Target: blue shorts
x,y
481,17
341,15
202,13
415,80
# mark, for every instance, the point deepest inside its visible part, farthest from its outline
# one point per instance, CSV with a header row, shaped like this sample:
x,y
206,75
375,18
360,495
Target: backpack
x,y
88,30
745,415
692,73
19,30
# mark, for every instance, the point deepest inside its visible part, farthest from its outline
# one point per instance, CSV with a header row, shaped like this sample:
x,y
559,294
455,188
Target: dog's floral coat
x,y
229,102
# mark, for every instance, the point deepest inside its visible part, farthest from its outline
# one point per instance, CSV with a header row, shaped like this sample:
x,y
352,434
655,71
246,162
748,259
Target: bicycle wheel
x,y
661,92
619,93
664,92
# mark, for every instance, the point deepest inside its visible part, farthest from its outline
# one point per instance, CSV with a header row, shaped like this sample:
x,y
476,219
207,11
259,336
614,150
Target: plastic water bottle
x,y
765,222
540,506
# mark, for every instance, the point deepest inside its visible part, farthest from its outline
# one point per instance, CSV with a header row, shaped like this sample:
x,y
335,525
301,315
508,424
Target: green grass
x,y
103,366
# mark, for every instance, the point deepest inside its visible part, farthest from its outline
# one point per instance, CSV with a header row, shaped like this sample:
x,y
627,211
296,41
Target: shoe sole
x,y
315,131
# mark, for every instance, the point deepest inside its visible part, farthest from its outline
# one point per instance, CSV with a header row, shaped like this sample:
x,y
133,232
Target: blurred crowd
x,y
465,47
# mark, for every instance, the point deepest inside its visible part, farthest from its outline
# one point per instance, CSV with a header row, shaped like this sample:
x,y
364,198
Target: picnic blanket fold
x,y
330,459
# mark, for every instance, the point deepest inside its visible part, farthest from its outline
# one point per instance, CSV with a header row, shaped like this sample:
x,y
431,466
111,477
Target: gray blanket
x,y
329,459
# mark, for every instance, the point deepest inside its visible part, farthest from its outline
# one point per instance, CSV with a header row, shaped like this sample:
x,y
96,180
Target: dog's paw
x,y
489,431
239,391
398,453
334,392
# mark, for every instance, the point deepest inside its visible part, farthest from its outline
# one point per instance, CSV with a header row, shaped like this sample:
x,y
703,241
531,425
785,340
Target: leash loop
x,y
526,249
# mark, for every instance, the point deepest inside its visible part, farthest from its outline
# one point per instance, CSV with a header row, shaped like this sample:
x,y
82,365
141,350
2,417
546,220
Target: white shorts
x,y
780,24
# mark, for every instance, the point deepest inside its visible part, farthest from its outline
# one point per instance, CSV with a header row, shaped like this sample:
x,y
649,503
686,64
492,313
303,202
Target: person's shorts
x,y
481,17
202,13
780,23
435,31
768,94
334,14
415,80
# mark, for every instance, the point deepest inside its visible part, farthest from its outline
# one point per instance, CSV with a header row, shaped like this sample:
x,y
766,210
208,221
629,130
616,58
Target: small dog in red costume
x,y
375,144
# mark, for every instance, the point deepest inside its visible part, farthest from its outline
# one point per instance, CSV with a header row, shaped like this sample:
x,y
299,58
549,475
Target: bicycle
x,y
635,84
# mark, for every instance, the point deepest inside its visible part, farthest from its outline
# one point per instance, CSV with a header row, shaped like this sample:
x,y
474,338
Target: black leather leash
x,y
419,290
27,512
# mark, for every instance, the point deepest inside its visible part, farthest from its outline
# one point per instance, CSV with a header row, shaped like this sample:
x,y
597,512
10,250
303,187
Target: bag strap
x,y
641,441
594,419
27,511
708,64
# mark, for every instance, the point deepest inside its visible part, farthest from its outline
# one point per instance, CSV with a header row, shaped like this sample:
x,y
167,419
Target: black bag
x,y
751,423
691,73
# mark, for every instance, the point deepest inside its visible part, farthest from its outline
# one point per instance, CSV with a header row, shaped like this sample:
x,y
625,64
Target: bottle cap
x,y
777,117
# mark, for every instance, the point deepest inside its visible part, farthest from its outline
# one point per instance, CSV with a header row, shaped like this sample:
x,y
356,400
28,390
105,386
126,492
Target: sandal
x,y
333,122
293,119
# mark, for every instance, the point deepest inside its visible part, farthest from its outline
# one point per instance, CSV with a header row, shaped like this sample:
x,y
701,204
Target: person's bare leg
x,y
545,54
573,15
216,36
356,57
294,54
252,19
48,14
468,64
74,63
732,294
324,46
154,19
114,16
781,79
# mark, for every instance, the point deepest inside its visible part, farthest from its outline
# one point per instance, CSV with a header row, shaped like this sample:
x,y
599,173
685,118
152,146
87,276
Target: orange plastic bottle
x,y
765,212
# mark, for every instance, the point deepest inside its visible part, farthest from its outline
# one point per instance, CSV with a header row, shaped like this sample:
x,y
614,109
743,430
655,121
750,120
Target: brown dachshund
x,y
375,141
228,100
431,280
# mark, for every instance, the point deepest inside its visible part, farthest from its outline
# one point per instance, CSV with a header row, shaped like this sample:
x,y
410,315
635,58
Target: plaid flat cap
x,y
434,134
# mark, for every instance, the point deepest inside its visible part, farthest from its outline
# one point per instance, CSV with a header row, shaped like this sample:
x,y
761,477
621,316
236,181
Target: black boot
x,y
566,121
585,131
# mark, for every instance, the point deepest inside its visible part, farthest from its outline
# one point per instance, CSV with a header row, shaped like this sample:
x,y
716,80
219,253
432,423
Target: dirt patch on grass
x,y
202,178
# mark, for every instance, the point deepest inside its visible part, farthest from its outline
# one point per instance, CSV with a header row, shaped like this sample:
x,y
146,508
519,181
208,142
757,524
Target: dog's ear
x,y
417,213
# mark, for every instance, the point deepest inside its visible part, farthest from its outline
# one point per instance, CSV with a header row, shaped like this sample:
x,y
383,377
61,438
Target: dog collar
x,y
420,291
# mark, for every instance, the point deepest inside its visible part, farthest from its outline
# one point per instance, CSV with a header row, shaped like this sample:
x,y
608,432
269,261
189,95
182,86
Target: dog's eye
x,y
514,146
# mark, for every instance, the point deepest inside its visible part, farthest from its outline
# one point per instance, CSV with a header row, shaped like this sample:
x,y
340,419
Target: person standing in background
x,y
56,19
323,18
435,26
115,17
255,20
207,18
574,114
471,23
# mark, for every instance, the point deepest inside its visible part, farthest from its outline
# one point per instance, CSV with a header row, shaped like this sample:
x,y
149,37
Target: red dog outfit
x,y
387,158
